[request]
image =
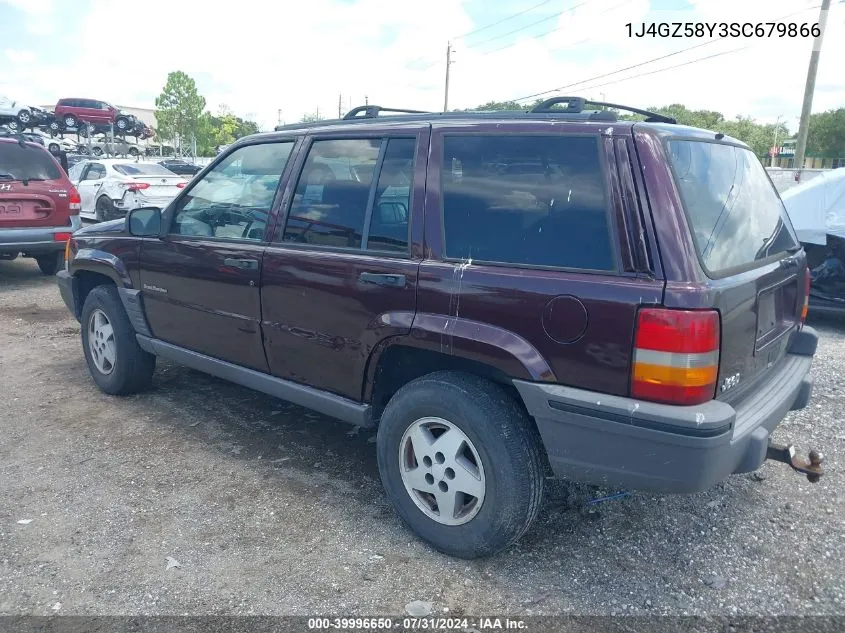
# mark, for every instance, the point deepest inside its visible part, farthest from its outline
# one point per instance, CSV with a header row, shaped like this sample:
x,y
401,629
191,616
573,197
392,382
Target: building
x,y
785,157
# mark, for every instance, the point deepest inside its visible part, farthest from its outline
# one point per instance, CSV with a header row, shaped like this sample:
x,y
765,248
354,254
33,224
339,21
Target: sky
x,y
276,61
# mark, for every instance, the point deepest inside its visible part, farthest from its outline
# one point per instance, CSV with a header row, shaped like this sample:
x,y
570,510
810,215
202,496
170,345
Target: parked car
x,y
111,187
116,147
179,166
817,211
57,144
39,208
76,113
591,313
18,115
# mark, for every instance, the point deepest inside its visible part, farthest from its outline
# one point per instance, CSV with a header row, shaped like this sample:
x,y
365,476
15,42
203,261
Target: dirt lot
x,y
270,509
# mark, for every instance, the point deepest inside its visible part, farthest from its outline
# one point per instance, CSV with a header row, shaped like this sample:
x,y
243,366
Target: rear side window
x,y
142,169
526,200
26,163
734,211
354,194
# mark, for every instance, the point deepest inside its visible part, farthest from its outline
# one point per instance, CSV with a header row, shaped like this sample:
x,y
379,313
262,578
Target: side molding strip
x,y
132,303
320,401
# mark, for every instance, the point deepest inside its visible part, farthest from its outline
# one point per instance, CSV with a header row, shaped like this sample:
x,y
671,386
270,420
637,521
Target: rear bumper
x,y
35,241
621,442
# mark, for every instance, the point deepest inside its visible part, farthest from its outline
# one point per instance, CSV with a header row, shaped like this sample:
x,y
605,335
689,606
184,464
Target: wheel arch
x,y
437,343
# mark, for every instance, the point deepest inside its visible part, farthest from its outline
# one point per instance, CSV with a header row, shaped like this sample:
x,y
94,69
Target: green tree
x,y
312,117
826,136
179,109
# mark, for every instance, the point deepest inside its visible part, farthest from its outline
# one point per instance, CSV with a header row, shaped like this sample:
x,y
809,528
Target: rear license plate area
x,y
10,209
766,315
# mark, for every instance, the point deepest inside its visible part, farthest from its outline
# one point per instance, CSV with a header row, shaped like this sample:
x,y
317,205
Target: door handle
x,y
244,264
391,281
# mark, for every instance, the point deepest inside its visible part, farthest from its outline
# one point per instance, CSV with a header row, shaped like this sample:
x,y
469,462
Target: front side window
x,y
349,184
526,200
234,199
735,213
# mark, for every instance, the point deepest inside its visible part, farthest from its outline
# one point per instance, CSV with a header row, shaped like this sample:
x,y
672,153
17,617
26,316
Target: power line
x,y
660,70
650,61
501,35
505,19
616,72
528,26
556,29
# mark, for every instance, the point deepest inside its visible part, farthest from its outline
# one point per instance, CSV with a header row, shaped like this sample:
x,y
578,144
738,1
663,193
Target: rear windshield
x,y
735,213
26,163
142,169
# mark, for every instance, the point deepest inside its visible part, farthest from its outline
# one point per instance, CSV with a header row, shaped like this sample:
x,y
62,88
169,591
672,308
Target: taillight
x,y
61,237
136,186
181,185
676,356
806,308
75,201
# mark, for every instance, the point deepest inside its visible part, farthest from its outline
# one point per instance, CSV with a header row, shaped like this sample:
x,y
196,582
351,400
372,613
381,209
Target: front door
x,y
200,282
341,274
89,185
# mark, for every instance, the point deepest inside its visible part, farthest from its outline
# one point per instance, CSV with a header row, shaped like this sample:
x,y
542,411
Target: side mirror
x,y
144,222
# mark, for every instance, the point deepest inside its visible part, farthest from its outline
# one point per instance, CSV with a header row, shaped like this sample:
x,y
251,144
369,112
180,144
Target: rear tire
x,y
116,362
70,121
50,264
24,118
54,149
498,446
104,209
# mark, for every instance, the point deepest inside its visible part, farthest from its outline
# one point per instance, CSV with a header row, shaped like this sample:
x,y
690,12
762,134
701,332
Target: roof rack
x,y
576,104
372,111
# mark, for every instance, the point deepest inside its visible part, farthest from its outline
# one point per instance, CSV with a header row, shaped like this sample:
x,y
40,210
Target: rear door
x,y
89,186
746,246
341,273
33,191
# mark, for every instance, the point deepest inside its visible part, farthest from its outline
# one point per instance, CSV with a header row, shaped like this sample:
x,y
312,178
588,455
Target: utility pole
x,y
448,64
809,88
280,116
775,146
339,105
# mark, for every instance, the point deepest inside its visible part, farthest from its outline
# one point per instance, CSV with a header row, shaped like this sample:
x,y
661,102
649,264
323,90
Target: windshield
x,y
26,163
142,169
735,213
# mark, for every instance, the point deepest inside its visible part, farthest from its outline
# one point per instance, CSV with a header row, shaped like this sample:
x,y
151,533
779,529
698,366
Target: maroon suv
x,y
75,113
39,207
501,294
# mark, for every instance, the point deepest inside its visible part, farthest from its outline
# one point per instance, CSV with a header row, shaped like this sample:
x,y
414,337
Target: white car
x,y
56,144
118,147
111,188
16,111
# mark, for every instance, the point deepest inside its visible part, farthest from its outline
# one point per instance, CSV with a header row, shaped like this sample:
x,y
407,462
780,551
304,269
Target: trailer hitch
x,y
786,454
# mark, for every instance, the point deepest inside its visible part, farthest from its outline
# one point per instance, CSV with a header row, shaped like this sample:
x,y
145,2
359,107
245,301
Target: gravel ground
x,y
201,497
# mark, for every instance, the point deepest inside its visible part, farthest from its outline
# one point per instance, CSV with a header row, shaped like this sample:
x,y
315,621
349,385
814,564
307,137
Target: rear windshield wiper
x,y
7,177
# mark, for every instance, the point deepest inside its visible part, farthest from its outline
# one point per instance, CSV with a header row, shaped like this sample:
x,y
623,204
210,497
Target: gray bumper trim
x,y
621,442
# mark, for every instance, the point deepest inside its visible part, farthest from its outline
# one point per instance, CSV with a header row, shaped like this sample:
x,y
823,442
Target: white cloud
x,y
39,14
19,56
296,57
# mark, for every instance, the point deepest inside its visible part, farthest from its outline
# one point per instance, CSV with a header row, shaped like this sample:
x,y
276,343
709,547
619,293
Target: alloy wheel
x,y
442,471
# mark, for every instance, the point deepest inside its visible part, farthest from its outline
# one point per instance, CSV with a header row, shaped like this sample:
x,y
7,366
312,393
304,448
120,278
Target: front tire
x,y
70,121
456,440
50,264
116,362
24,118
54,149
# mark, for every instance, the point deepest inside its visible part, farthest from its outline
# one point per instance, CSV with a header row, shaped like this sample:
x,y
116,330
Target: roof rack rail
x,y
576,104
372,111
